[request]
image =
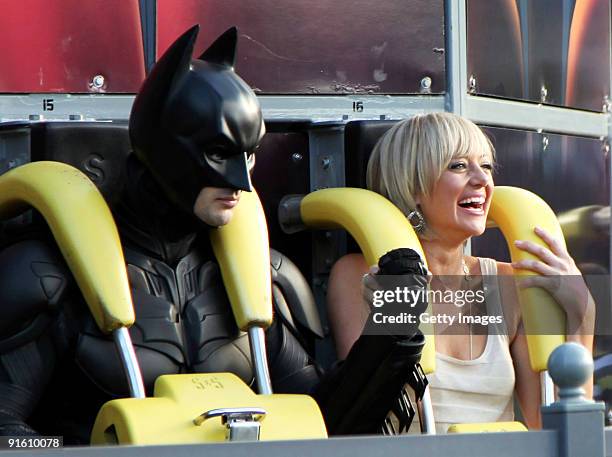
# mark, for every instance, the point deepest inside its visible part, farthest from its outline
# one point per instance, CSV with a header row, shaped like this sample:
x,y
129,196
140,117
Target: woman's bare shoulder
x,y
350,264
505,269
509,298
346,310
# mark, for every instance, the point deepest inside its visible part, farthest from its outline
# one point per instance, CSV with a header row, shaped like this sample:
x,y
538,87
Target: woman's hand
x,y
559,276
395,293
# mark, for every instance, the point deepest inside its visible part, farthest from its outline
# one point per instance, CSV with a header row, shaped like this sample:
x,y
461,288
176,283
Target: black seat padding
x,y
360,137
98,149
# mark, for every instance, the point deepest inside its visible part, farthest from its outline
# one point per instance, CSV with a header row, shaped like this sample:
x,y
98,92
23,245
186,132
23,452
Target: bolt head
x,y
98,81
472,84
607,104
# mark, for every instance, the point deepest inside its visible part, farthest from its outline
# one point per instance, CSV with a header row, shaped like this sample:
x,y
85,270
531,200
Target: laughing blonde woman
x,y
438,170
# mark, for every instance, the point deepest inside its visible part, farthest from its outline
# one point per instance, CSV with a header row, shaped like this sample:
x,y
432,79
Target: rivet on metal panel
x,y
97,83
296,157
544,142
426,84
472,84
35,117
75,117
543,93
326,162
607,104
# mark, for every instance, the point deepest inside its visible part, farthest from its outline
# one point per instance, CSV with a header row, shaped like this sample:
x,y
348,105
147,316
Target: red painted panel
x,y
321,47
60,45
556,51
589,55
569,172
494,48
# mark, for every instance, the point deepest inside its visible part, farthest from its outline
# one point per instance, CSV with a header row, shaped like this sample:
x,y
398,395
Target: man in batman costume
x,y
194,128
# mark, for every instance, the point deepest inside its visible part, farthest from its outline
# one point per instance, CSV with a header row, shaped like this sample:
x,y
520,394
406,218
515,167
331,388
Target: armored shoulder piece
x,y
293,297
33,279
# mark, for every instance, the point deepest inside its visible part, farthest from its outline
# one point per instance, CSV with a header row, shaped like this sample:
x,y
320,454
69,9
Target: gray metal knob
x,y
570,366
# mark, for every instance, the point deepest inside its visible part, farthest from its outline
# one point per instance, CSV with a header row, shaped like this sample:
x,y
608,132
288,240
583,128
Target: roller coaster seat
x,y
100,150
360,137
359,141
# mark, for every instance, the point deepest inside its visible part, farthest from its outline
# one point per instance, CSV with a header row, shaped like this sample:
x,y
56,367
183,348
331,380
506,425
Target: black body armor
x,y
57,368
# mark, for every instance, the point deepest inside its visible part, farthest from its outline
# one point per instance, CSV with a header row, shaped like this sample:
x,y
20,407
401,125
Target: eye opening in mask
x,y
216,155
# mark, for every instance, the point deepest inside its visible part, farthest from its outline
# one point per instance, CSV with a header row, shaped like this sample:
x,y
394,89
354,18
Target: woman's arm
x,y
527,381
562,279
346,308
527,386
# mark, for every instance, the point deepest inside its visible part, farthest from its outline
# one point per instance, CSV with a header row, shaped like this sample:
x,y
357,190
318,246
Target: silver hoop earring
x,y
417,221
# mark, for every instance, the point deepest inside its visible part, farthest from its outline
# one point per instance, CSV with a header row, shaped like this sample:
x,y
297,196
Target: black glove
x,y
356,396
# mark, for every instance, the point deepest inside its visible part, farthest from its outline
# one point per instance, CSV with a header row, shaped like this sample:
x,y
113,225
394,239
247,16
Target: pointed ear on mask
x,y
172,64
178,56
223,50
149,102
180,53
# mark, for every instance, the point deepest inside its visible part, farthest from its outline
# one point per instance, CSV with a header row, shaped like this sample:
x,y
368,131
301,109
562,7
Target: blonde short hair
x,y
411,156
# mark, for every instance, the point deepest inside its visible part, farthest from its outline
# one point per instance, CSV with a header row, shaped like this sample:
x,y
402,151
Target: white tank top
x,y
478,390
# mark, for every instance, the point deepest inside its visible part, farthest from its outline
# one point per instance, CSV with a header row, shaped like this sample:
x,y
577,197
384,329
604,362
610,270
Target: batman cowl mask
x,y
195,123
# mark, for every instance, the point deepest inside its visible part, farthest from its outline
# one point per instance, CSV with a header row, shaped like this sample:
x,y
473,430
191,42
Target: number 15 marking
x,y
47,104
